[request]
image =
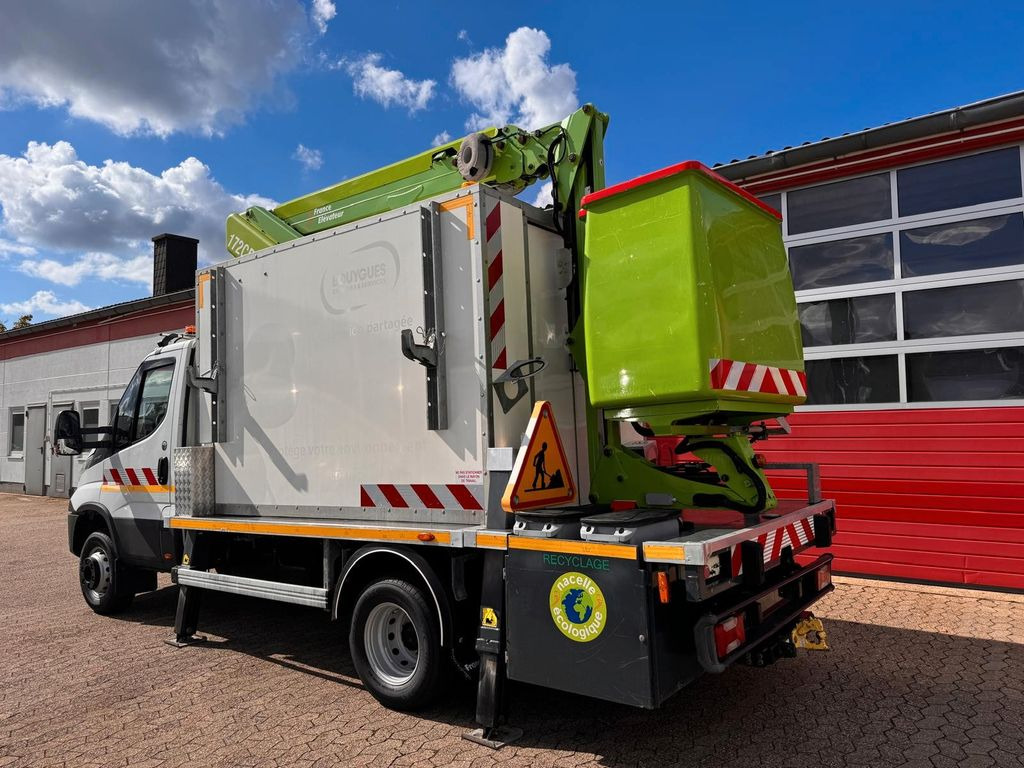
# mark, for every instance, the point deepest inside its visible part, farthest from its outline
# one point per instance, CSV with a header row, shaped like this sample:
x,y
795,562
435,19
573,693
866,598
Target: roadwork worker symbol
x,y
488,617
540,476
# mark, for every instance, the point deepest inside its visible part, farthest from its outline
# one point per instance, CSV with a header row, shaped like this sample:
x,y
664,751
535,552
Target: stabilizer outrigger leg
x,y
186,619
490,644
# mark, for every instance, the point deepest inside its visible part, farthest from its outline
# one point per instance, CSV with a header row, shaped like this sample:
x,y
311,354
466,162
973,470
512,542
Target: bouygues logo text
x,y
356,279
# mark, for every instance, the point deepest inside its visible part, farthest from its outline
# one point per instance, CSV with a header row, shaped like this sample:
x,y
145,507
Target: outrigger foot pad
x,y
183,641
494,738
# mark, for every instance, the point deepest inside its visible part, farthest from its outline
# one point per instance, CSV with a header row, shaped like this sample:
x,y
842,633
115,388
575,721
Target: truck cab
x,y
118,515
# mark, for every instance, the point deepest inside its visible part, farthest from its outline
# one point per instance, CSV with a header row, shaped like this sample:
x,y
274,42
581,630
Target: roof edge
x,y
992,110
109,312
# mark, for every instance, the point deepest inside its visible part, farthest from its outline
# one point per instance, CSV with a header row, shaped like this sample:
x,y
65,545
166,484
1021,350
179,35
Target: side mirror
x,y
67,434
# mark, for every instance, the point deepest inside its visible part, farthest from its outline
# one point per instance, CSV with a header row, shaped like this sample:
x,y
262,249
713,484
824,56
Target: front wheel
x,y
395,644
100,577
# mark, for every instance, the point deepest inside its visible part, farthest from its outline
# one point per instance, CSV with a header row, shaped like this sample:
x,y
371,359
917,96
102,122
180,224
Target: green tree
x,y
3,327
22,322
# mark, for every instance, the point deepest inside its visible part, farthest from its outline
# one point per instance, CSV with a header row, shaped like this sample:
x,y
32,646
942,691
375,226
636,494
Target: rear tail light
x,y
730,634
824,576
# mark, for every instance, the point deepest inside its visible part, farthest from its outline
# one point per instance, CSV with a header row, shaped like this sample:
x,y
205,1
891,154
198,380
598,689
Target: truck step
x,y
315,597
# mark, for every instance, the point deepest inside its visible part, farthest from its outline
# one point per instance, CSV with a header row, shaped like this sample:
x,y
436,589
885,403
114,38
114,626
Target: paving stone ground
x,y
916,677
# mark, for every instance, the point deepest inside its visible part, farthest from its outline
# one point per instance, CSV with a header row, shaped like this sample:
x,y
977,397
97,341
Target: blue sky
x,y
102,104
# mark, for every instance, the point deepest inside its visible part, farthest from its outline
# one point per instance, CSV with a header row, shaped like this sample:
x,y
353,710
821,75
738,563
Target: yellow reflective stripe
x,y
621,551
319,531
672,552
462,202
491,540
138,488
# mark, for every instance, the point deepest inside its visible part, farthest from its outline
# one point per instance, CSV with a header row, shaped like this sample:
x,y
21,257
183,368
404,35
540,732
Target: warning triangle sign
x,y
541,475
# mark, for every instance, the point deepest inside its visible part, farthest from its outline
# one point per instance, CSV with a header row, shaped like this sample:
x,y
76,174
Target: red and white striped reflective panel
x,y
798,535
735,376
130,477
495,285
450,496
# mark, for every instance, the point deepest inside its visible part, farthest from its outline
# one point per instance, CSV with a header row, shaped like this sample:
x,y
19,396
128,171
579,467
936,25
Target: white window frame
x,y
897,286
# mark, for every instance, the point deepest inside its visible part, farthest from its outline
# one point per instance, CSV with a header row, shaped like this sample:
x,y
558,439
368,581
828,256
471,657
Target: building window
x,y
995,241
17,442
772,201
959,182
920,304
90,415
842,262
964,310
970,374
840,204
855,320
853,380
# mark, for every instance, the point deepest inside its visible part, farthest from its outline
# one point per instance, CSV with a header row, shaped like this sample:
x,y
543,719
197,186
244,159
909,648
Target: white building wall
x,y
95,374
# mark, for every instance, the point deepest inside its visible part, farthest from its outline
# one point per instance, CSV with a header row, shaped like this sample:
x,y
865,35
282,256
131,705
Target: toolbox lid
x,y
630,518
672,170
556,515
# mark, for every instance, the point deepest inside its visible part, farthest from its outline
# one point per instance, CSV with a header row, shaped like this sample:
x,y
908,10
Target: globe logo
x,y
578,607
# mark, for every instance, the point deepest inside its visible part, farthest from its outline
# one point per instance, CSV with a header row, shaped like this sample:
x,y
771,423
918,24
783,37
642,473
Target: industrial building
x,y
83,362
906,244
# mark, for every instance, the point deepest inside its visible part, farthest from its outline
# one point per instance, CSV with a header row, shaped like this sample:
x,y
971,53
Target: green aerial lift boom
x,y
570,153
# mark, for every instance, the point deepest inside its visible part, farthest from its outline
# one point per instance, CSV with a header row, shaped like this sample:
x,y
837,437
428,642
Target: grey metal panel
x,y
34,451
315,597
194,483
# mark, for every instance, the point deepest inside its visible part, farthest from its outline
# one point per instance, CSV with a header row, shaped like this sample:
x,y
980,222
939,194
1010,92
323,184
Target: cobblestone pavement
x,y
916,677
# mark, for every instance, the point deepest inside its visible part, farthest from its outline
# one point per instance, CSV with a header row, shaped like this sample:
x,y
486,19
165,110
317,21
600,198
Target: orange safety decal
x,y
595,549
319,531
492,541
541,476
462,202
203,279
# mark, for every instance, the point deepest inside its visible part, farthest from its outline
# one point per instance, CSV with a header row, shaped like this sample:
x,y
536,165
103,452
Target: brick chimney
x,y
174,263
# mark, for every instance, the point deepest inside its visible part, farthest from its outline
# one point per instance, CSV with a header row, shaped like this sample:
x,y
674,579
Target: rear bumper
x,y
798,591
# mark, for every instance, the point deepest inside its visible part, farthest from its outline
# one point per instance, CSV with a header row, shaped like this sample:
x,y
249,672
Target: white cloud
x,y
322,12
54,201
44,302
464,36
152,67
8,247
442,138
516,83
104,266
388,86
543,195
310,159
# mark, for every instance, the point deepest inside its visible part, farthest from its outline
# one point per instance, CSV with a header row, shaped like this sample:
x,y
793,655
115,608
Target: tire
x,y
394,639
105,584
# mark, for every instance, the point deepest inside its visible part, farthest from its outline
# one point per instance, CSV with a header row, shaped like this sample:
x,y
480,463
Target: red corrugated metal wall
x,y
924,494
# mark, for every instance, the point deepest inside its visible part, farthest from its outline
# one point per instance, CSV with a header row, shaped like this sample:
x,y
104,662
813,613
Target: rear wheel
x,y
102,581
395,644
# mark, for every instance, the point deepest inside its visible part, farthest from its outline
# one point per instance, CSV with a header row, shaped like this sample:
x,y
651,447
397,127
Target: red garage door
x,y
935,495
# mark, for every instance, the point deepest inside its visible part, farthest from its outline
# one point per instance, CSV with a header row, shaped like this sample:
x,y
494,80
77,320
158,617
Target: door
x,y
35,449
136,476
60,466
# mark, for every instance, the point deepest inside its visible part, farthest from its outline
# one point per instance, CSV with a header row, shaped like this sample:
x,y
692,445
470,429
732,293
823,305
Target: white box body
x,y
324,415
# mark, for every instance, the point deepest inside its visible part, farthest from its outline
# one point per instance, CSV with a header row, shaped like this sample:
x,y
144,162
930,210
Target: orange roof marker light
x,y
190,330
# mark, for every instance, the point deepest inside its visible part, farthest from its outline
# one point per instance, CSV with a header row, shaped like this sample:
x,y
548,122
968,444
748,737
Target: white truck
x,y
407,418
